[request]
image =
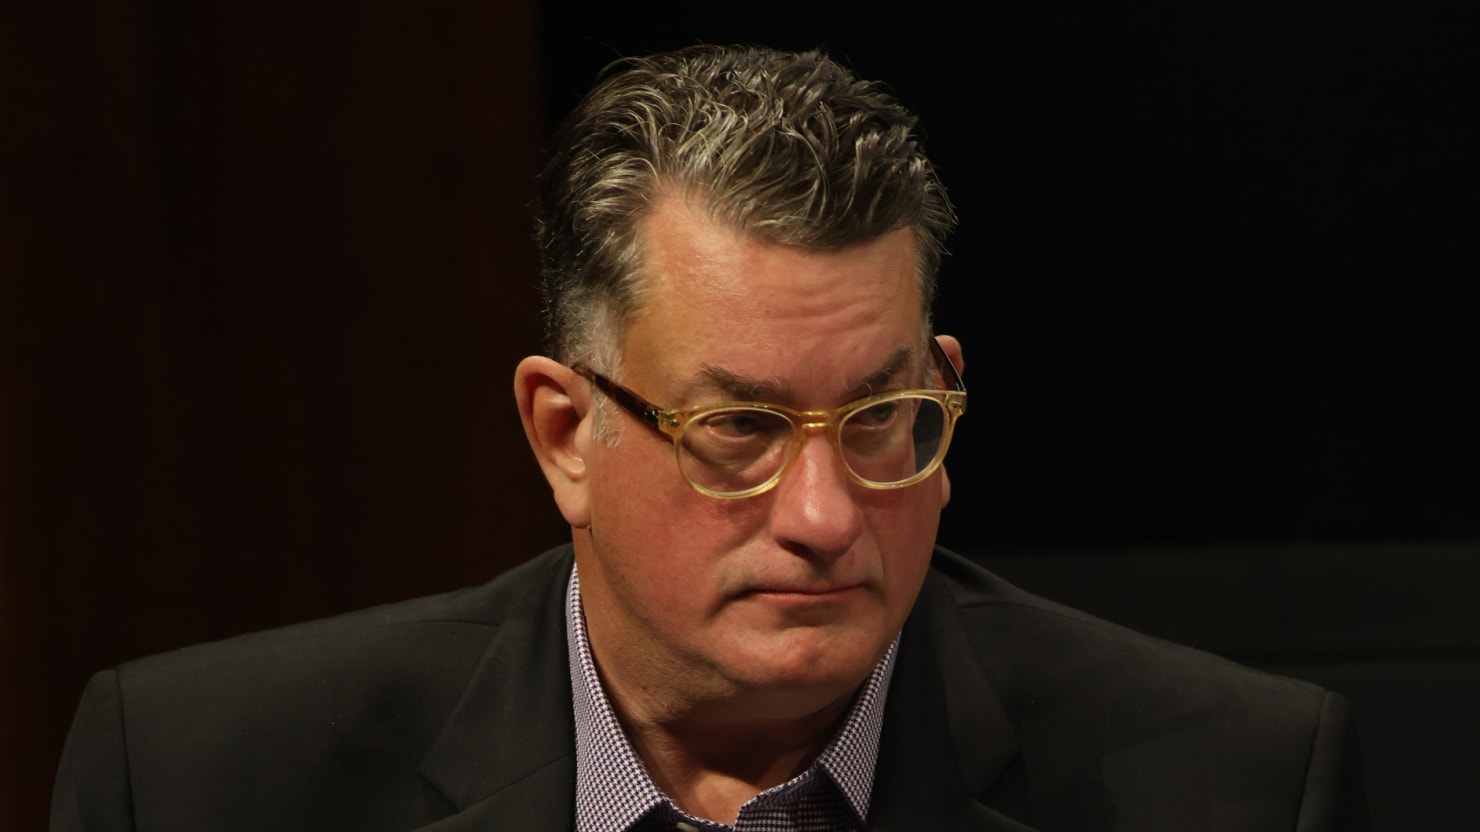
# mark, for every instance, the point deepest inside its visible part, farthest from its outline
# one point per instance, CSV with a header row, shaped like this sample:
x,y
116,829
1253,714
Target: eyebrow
x,y
742,388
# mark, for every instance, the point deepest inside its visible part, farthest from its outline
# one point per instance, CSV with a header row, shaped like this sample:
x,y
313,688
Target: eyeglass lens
x,y
735,450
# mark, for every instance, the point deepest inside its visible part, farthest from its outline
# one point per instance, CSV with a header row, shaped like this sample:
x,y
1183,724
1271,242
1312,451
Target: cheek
x,y
905,533
632,484
661,542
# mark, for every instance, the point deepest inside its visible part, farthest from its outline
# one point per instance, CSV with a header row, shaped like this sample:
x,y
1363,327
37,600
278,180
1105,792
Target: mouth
x,y
805,594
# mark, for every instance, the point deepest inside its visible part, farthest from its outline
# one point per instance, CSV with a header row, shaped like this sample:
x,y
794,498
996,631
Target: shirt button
x,y
685,826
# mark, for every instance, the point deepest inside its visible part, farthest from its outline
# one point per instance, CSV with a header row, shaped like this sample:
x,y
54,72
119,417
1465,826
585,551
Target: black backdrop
x,y
265,273
1212,264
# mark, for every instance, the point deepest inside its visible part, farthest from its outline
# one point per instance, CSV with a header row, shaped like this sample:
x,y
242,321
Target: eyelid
x,y
704,404
694,410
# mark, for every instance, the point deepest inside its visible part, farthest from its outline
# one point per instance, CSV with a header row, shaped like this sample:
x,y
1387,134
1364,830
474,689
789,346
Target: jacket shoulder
x,y
346,706
1043,644
450,619
1118,728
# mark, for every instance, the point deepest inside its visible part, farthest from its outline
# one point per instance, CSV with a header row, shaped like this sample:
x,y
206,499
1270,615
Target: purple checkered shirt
x,y
614,792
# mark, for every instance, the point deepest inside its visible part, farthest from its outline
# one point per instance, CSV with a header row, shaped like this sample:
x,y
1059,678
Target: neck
x,y
712,757
709,741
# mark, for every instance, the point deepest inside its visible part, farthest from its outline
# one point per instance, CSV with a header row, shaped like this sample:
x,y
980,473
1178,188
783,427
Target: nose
x,y
813,512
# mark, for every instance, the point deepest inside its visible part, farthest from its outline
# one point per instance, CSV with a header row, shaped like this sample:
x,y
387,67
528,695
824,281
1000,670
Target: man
x,y
743,418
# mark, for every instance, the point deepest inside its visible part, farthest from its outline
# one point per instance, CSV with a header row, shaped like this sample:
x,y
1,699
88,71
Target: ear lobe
x,y
554,405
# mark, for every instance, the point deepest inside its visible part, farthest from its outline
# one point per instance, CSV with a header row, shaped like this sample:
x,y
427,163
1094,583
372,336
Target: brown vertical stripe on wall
x,y
266,274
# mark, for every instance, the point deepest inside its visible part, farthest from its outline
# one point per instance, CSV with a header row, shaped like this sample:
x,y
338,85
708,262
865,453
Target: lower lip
x,y
834,596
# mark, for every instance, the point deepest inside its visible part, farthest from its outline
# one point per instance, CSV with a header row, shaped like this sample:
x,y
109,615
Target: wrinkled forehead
x,y
687,253
719,304
703,209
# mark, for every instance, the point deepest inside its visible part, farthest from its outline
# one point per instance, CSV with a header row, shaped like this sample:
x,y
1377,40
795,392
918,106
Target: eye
x,y
739,424
875,416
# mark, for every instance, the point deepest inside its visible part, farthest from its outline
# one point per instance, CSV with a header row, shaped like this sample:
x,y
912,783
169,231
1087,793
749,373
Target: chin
x,y
832,664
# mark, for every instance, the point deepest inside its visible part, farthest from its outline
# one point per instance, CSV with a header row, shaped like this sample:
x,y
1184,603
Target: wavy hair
x,y
787,146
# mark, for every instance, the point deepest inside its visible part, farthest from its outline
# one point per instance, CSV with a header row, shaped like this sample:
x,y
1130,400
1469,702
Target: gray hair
x,y
787,146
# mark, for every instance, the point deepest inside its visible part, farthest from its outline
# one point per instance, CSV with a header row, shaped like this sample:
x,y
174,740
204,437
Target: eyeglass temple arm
x,y
630,401
944,360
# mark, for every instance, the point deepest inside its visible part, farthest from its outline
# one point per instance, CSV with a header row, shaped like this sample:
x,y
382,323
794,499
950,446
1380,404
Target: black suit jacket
x,y
453,714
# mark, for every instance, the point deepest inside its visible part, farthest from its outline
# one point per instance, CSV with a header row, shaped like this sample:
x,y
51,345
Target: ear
x,y
952,349
555,406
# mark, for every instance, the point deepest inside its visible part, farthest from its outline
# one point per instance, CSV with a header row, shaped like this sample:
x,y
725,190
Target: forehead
x,y
720,299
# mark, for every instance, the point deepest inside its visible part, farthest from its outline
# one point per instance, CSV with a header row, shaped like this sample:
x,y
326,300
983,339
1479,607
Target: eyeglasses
x,y
741,449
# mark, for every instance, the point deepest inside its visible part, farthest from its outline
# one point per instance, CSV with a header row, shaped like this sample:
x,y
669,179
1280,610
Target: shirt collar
x,y
613,788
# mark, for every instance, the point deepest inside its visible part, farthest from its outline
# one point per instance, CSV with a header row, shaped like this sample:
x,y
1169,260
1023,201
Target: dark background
x,y
265,273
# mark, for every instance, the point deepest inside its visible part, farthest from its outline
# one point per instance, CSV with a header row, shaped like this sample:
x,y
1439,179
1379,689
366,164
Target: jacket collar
x,y
949,755
506,757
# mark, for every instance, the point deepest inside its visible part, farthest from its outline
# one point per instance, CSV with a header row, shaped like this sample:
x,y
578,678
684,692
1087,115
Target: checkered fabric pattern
x,y
615,793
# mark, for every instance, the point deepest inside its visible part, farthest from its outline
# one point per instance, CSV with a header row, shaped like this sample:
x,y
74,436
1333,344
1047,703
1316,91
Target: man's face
x,y
800,589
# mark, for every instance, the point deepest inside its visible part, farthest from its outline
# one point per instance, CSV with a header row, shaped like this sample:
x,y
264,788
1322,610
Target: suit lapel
x,y
946,737
506,757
